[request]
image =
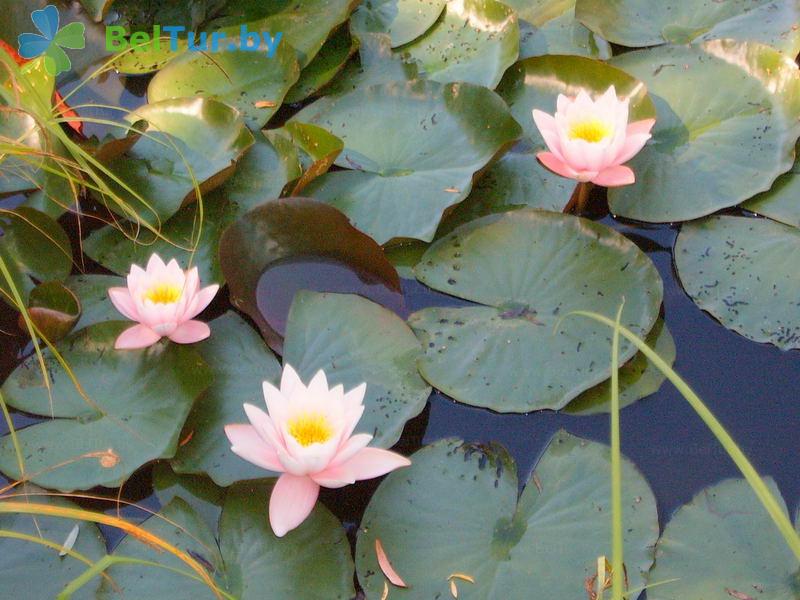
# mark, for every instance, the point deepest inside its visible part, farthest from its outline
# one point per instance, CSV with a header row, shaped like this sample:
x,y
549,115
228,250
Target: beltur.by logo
x,y
118,40
51,41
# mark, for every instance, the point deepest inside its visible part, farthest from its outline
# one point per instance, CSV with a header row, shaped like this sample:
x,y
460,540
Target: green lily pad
x,y
35,570
526,269
20,131
516,180
639,23
137,403
710,155
293,227
326,65
474,41
252,82
33,247
247,560
240,362
376,64
305,25
782,201
316,150
190,142
97,9
723,545
638,378
355,340
176,238
261,175
92,293
402,20
197,491
550,27
455,510
395,189
743,271
54,309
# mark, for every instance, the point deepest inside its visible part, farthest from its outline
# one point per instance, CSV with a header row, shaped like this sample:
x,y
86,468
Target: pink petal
x,y
549,129
368,463
190,332
276,402
614,176
292,500
552,162
386,565
138,336
289,381
201,300
349,448
123,301
155,264
355,396
631,147
249,445
643,126
318,386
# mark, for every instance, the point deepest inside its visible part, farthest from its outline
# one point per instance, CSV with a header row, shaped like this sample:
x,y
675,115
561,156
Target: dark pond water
x,y
752,388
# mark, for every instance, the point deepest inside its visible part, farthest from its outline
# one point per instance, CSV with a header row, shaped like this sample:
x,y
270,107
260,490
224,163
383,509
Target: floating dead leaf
x,y
265,104
70,541
738,595
603,575
537,482
386,566
385,593
453,588
461,576
187,439
452,190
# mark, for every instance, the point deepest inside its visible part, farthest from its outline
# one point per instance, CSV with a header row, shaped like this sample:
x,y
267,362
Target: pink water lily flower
x,y
590,140
164,300
308,437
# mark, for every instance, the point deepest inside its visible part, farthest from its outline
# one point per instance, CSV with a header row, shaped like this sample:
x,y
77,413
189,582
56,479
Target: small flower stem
x,y
579,199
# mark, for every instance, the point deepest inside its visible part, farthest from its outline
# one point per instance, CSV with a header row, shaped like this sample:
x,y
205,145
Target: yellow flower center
x,y
163,293
591,130
310,428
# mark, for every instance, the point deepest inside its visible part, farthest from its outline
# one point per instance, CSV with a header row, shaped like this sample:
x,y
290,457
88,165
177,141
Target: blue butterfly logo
x,y
52,41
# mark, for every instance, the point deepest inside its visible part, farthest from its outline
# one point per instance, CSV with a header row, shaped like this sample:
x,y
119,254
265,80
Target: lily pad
x,y
197,491
638,378
36,570
190,142
193,234
744,272
22,132
136,403
33,248
293,227
239,362
355,340
92,293
402,20
516,180
376,64
305,25
723,545
526,270
455,511
639,23
710,155
782,201
395,189
326,65
316,150
550,27
54,309
247,560
474,41
252,82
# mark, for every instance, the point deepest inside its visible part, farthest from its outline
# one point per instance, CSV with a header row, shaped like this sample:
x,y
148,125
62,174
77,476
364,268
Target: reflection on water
x,y
282,280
